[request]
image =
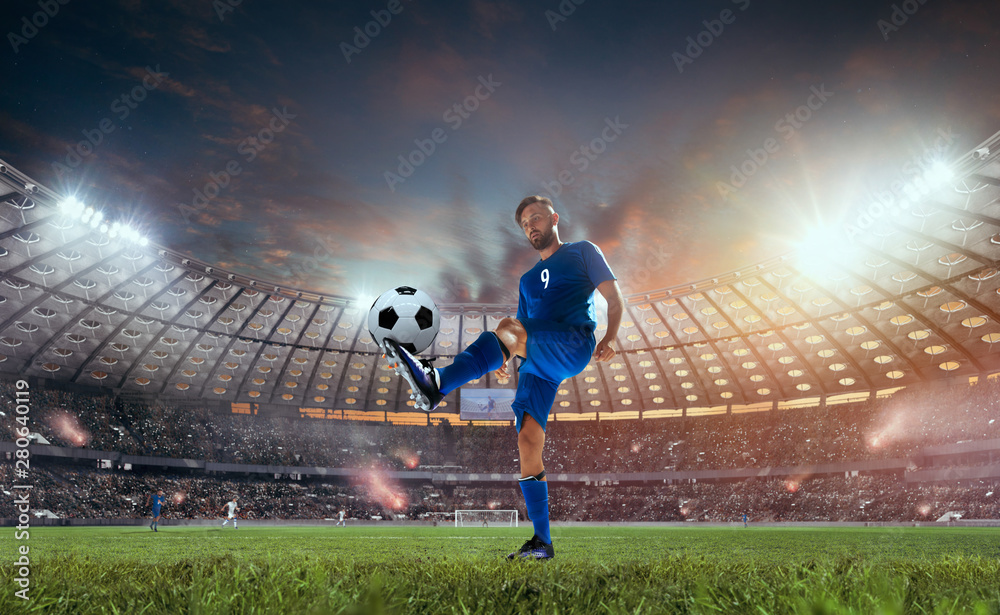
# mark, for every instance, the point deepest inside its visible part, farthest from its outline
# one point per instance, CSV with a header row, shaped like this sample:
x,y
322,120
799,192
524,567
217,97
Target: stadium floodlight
x,y
71,207
143,242
104,228
939,174
87,213
364,298
821,250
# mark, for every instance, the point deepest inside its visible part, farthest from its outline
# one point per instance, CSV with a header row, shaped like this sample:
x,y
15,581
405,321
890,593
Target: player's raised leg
x,y
489,352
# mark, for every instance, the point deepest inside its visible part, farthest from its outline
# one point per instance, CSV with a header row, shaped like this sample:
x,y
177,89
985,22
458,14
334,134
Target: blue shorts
x,y
156,511
556,351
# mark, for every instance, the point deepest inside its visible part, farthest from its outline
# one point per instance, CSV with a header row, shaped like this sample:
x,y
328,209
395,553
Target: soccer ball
x,y
406,315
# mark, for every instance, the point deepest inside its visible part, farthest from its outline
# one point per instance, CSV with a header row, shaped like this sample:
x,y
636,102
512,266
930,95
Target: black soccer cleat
x,y
534,548
421,375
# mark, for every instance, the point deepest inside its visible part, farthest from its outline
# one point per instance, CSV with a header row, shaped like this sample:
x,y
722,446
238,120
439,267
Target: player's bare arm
x,y
605,350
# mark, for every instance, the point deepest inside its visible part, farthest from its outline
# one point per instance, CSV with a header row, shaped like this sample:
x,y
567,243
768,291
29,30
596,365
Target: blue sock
x,y
536,499
481,357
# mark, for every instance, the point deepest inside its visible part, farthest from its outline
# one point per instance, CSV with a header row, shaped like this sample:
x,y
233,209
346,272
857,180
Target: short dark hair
x,y
530,200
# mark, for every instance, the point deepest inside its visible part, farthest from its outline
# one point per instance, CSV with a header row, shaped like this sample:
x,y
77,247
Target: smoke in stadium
x,y
68,427
383,490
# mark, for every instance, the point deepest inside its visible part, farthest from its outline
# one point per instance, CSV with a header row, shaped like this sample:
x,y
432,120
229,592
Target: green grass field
x,y
447,570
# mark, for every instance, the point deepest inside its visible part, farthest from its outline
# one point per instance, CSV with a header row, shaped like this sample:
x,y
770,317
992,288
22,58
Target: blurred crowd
x,y
163,430
72,492
897,427
900,426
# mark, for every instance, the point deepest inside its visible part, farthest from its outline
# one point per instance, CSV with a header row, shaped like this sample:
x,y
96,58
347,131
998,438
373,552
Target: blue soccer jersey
x,y
561,287
556,308
158,500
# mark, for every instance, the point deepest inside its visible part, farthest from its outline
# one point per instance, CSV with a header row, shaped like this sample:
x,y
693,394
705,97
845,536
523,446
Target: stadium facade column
x,y
729,409
774,405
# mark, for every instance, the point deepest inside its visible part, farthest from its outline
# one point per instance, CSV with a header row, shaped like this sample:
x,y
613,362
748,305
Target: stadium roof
x,y
907,292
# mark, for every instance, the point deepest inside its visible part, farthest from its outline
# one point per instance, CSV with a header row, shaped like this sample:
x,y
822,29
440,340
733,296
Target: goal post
x,y
485,518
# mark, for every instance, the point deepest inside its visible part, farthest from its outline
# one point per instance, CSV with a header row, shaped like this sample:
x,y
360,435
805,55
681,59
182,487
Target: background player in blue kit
x,y
158,499
554,336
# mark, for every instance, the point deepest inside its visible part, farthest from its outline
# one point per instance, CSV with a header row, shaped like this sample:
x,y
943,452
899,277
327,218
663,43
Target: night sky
x,y
345,151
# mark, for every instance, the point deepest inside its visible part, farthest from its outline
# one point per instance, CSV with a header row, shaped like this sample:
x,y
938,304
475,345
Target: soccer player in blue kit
x,y
158,499
554,336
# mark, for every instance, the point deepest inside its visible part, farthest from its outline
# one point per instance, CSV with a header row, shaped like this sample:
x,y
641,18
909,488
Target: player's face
x,y
537,222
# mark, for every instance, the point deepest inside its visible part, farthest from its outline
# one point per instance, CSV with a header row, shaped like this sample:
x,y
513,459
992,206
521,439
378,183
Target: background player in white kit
x,y
231,505
340,521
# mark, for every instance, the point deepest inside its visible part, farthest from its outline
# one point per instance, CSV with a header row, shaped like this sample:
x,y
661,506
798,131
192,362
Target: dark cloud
x,y
312,207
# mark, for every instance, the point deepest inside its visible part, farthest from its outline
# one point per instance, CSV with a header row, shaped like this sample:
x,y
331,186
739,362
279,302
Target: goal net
x,y
485,518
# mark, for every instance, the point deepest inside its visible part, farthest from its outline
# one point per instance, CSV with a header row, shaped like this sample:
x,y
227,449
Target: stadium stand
x,y
138,356
928,429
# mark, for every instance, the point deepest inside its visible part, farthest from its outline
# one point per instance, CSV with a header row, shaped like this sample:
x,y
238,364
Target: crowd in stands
x,y
71,492
858,498
163,430
899,427
893,428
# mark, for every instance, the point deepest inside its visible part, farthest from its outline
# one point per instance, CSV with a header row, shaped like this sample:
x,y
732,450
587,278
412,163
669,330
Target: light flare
x,y
384,491
906,420
410,459
68,428
822,250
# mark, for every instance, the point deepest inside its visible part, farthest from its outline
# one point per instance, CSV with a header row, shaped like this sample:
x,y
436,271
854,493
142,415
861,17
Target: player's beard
x,y
542,240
